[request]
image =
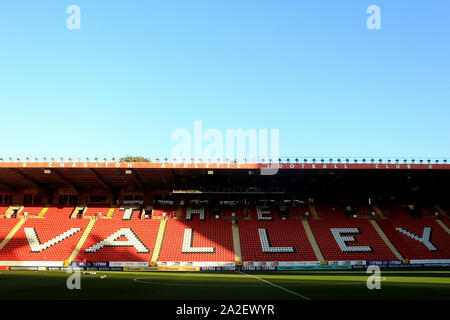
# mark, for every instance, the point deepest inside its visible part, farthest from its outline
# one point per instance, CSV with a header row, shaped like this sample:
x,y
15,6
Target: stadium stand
x,y
227,212
159,241
335,236
446,222
96,211
80,242
49,239
343,239
313,241
299,211
6,225
416,238
32,211
236,243
287,241
444,211
428,211
264,213
127,213
195,213
444,226
364,211
327,211
209,240
3,210
160,211
59,212
120,240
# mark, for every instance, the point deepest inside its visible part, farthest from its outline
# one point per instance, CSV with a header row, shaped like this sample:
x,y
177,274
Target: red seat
x,y
19,249
282,233
95,211
207,233
367,236
145,230
410,248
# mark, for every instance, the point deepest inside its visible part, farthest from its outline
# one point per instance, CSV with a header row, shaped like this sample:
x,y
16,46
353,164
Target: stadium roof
x,y
339,179
389,164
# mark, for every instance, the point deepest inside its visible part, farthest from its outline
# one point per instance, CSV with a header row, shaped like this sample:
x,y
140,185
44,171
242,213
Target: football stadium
x,y
224,158
308,230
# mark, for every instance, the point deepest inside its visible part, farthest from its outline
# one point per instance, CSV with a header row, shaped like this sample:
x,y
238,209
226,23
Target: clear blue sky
x,y
138,70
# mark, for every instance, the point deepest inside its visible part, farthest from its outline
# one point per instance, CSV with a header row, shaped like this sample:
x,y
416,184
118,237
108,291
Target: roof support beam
x,y
138,180
8,187
67,181
172,176
102,181
34,182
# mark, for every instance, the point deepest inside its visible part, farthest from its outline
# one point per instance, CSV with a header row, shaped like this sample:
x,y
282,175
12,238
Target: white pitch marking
x,y
275,285
141,280
194,284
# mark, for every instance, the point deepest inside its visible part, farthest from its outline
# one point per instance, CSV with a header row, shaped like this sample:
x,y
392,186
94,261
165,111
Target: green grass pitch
x,y
301,285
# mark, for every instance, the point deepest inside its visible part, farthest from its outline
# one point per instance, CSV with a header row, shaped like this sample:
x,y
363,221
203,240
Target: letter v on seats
x,y
37,246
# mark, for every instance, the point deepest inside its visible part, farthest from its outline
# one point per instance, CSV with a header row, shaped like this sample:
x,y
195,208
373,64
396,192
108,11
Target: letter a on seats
x,y
37,246
111,241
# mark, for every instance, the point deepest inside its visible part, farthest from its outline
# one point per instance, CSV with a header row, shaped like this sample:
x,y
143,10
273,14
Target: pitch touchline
x,y
275,285
141,280
193,284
